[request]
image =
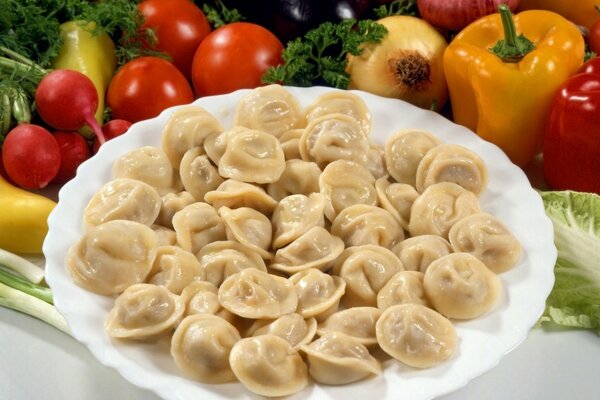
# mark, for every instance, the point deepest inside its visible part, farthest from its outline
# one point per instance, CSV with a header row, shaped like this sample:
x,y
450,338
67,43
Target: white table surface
x,y
40,362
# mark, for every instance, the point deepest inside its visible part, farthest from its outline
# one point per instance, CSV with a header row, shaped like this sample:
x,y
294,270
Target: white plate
x,y
482,342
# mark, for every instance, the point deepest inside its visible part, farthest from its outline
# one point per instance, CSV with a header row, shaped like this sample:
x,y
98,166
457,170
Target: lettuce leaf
x,y
575,298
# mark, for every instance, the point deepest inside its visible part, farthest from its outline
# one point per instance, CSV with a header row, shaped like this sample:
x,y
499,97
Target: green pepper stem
x,y
513,47
508,24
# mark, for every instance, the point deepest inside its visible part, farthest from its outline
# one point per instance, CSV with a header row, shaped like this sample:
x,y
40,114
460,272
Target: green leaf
x,y
397,7
575,297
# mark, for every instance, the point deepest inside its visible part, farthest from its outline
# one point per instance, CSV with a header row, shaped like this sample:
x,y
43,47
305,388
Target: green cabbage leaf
x,y
575,298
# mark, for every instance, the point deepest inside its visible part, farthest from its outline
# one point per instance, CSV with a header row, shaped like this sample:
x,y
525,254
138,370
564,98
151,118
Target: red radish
x,y
455,15
31,156
73,151
67,100
112,129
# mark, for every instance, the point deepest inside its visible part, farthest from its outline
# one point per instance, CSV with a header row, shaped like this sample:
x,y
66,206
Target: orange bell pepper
x,y
582,12
504,96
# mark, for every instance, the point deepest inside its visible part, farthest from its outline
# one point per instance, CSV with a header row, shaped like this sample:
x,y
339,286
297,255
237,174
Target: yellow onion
x,y
406,64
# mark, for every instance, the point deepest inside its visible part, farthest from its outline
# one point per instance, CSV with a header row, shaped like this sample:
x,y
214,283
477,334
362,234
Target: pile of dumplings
x,y
291,248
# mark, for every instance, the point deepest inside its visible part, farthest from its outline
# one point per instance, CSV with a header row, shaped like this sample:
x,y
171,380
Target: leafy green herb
x,y
30,28
397,7
219,15
320,58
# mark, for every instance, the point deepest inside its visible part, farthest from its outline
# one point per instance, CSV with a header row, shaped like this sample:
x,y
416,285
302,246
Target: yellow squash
x,y
505,100
89,53
582,12
23,219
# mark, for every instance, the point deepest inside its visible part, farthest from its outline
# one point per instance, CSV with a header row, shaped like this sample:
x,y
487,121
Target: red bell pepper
x,y
572,138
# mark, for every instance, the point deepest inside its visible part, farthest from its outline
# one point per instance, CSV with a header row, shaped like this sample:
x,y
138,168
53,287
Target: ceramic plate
x,y
482,342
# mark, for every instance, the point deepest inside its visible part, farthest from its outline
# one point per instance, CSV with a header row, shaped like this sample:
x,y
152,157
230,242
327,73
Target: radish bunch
x,y
66,100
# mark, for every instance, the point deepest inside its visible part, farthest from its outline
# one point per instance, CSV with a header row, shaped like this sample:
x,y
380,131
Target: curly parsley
x,y
320,58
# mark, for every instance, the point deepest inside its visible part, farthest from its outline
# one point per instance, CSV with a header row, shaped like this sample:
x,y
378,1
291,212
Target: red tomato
x,y
31,156
235,56
144,87
179,25
594,37
111,129
73,151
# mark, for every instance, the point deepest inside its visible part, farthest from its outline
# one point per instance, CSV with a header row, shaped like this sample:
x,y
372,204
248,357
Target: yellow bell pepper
x,y
91,54
23,219
582,12
505,100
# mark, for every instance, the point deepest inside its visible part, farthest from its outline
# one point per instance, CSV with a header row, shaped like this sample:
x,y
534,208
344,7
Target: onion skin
x,y
407,64
457,14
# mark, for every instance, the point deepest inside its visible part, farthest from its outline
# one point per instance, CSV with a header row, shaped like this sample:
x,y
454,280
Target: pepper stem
x,y
512,48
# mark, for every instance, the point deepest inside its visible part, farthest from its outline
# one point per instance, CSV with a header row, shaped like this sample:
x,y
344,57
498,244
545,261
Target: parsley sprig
x,y
320,57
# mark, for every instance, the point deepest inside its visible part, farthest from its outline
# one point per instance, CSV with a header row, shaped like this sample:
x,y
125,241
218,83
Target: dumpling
x,y
362,224
404,151
197,174
290,141
342,102
268,365
294,216
252,156
101,264
200,297
215,144
397,198
460,286
201,346
248,227
170,204
186,128
338,359
317,248
219,260
404,287
251,293
376,161
334,137
164,236
452,163
149,165
366,269
357,322
143,311
416,335
271,109
197,225
236,194
417,252
173,268
299,177
488,239
439,207
123,198
319,293
345,183
291,327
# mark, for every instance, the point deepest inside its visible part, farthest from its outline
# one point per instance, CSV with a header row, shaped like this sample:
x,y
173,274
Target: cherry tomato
x,y
111,130
179,25
144,87
31,156
73,151
594,37
235,56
